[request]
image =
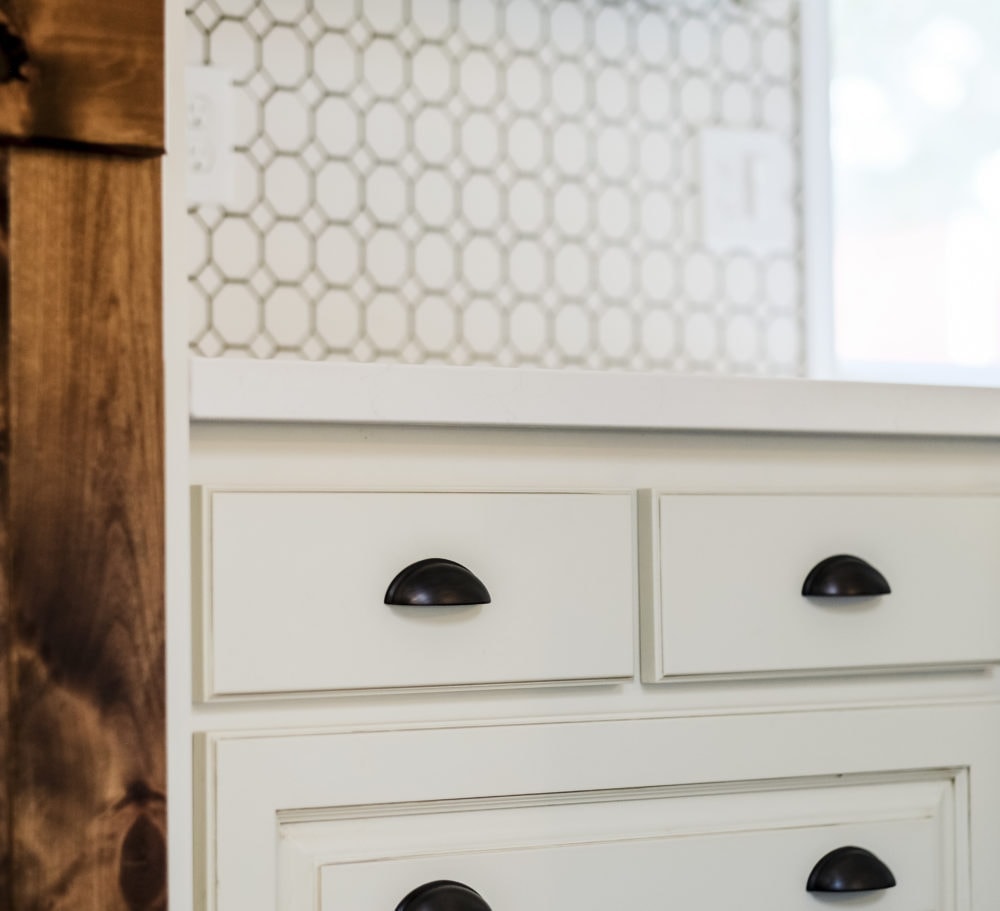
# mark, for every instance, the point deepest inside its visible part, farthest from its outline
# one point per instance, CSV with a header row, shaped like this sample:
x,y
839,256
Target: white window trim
x,y
817,176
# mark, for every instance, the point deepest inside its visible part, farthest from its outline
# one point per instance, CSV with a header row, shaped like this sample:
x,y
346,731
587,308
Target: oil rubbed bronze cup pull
x,y
443,895
850,869
844,576
436,582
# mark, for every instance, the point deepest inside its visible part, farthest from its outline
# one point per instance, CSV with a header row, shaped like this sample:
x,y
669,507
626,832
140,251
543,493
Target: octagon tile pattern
x,y
496,182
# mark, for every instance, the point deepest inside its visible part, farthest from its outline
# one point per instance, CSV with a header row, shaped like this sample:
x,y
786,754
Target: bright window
x,y
915,189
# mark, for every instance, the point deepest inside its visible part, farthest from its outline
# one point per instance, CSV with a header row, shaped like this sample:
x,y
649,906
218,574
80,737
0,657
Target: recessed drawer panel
x,y
295,587
893,582
758,871
634,849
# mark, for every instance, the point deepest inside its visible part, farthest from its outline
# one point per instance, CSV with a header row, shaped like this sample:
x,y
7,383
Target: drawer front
x,y
727,576
295,584
727,812
752,871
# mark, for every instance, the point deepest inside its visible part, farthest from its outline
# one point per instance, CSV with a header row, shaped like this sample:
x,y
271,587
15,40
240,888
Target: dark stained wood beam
x,y
82,684
7,630
81,534
83,73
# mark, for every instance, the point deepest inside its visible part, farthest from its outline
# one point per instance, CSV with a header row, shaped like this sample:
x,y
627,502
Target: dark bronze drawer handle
x,y
850,869
436,582
443,895
844,576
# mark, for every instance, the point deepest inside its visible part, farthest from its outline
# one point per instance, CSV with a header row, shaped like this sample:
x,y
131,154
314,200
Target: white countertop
x,y
256,390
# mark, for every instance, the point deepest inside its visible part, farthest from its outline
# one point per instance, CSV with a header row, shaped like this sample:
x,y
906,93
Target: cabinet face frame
x,y
251,782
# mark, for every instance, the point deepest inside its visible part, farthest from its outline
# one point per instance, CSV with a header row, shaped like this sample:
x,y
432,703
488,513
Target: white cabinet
x,y
353,751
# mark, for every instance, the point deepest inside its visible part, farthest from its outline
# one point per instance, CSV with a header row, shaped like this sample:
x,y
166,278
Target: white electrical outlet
x,y
209,133
746,191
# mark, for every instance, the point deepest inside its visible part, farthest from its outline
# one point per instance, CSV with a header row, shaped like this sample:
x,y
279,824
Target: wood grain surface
x,y
81,534
83,72
6,613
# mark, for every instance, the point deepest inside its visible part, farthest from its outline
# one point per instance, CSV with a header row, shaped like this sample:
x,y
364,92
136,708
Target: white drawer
x,y
724,590
294,587
294,821
543,817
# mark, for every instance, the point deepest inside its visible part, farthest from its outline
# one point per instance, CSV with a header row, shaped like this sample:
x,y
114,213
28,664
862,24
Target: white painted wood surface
x,y
299,797
287,391
716,846
279,805
253,456
295,585
753,871
727,594
177,464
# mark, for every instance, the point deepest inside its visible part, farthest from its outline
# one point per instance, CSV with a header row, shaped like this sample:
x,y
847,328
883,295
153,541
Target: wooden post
x,y
82,673
82,73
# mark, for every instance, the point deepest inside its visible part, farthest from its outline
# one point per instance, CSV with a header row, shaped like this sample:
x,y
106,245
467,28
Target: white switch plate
x,y
747,177
209,133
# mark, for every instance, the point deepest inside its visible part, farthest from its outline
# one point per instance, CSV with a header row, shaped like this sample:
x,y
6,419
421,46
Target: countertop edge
x,y
347,393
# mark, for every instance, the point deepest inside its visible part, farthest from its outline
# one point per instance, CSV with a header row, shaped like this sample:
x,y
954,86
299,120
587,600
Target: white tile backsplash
x,y
490,182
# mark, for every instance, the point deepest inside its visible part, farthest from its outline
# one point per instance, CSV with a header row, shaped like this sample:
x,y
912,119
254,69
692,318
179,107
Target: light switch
x,y
747,178
209,134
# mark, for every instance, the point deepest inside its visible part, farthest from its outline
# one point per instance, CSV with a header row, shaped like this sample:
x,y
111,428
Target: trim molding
x,y
292,391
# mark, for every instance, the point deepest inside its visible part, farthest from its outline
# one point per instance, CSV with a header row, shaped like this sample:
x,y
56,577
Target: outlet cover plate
x,y
747,183
209,135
